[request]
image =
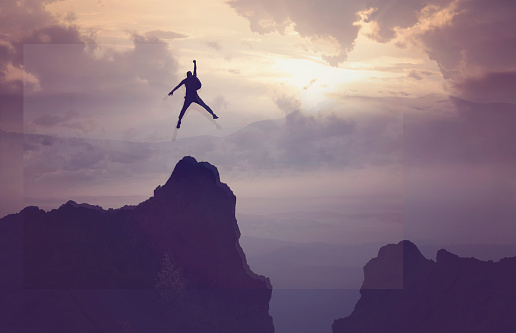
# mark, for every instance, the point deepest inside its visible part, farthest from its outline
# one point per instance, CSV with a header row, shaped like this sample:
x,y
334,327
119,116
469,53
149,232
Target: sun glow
x,y
314,80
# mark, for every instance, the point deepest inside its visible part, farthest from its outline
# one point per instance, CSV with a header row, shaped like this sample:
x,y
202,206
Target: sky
x,y
398,116
343,125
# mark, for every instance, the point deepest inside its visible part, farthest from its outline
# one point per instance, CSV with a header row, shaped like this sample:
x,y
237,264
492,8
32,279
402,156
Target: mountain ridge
x,y
405,292
175,259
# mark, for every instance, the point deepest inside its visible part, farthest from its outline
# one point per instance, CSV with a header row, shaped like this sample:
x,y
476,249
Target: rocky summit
x,y
173,263
404,292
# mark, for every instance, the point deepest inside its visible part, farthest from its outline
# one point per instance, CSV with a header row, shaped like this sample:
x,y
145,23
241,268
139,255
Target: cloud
x,y
490,87
57,57
474,49
100,84
165,34
303,142
17,19
73,87
326,18
333,19
52,160
70,119
300,142
302,154
214,45
457,159
461,133
331,141
472,41
312,81
288,104
389,16
71,65
16,23
414,75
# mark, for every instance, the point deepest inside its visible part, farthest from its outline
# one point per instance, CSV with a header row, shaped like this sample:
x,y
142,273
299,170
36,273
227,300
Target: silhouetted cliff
x,y
171,264
451,294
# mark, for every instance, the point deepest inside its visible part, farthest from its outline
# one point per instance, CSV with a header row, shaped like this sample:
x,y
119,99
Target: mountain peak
x,y
190,176
84,205
188,168
386,271
453,294
445,256
175,258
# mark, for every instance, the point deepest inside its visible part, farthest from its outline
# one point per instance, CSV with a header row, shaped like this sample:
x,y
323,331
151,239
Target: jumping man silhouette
x,y
192,84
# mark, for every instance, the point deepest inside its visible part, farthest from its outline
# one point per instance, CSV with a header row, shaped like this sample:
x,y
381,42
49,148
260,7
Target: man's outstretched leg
x,y
201,103
183,110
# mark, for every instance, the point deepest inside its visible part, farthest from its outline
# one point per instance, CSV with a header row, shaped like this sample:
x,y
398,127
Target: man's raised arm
x,y
195,68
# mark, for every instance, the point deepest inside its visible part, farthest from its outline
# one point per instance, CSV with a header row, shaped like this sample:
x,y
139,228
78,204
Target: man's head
x,y
188,74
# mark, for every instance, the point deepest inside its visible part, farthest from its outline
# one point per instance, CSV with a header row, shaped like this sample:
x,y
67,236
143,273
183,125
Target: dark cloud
x,y
16,22
324,18
89,158
335,19
462,134
311,142
492,86
475,49
17,18
54,160
28,23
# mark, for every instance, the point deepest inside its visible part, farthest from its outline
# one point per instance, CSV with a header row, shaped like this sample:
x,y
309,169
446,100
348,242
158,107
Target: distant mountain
x,y
173,263
405,292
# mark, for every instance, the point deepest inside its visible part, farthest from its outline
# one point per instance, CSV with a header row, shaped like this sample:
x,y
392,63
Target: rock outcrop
x,y
170,264
405,292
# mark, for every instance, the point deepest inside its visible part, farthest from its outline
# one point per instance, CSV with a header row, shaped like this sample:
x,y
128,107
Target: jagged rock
x,y
170,264
405,292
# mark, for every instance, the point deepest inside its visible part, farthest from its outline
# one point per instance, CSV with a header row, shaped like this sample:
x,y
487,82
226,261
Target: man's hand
x,y
170,93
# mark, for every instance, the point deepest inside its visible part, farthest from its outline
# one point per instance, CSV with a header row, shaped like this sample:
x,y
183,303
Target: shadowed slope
x,y
171,264
452,294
